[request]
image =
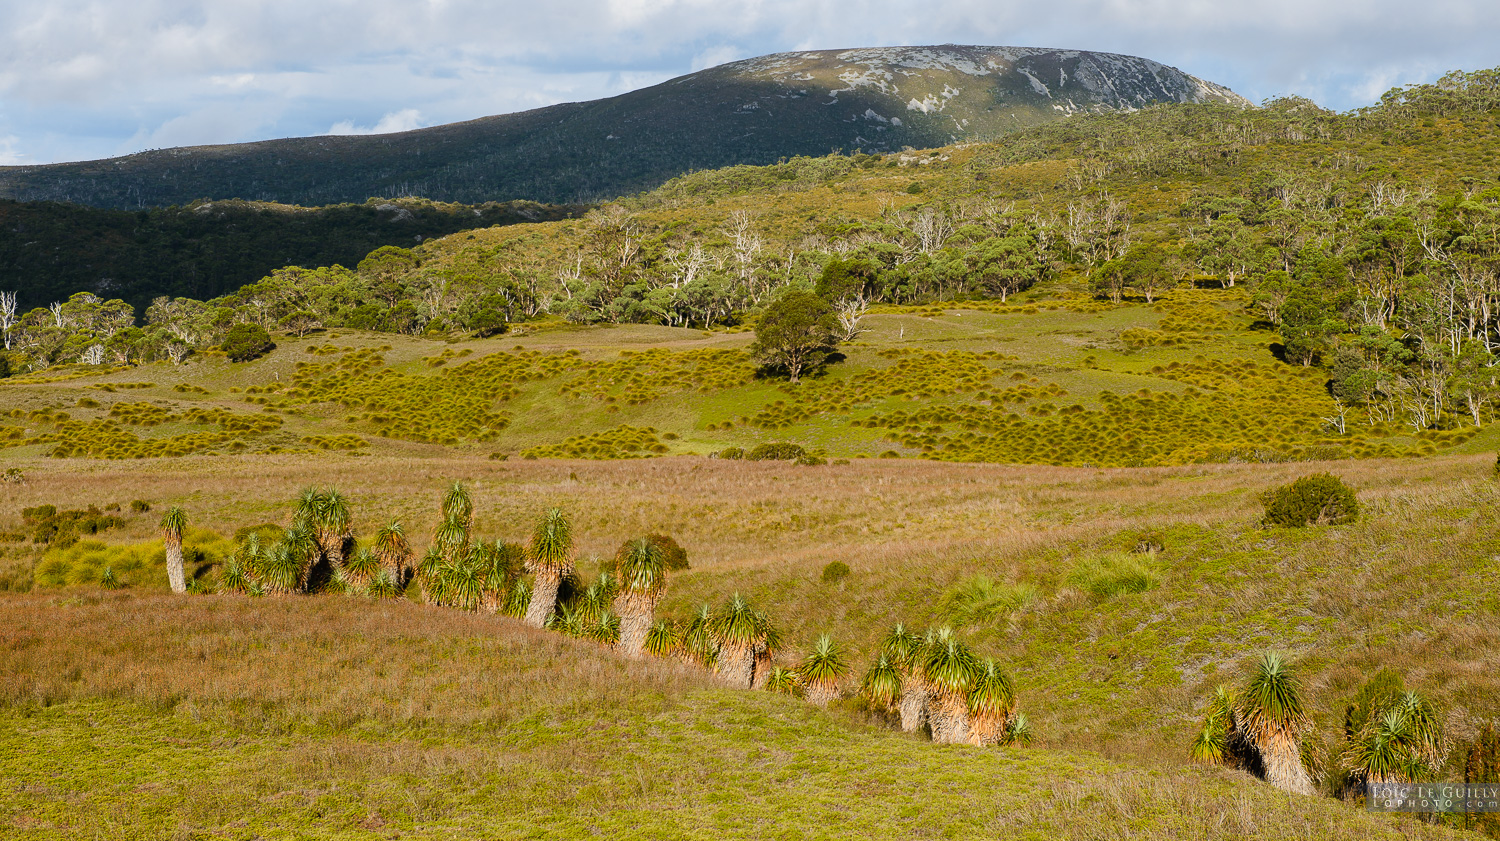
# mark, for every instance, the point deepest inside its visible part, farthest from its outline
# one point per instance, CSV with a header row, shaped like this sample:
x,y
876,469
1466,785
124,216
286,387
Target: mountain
x,y
747,112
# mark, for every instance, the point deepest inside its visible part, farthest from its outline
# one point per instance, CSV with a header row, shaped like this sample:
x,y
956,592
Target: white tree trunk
x,y
633,628
176,575
543,600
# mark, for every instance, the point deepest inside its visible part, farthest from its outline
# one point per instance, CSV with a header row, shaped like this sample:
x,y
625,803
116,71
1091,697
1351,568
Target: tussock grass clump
x,y
129,564
106,438
619,442
776,451
61,528
1113,574
983,601
336,442
642,376
914,375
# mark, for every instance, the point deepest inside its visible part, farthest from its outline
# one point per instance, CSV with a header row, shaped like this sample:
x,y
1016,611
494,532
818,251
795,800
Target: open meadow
x,y
337,716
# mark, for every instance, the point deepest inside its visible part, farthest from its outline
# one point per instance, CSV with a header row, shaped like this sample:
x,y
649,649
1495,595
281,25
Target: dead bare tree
x,y
7,315
850,311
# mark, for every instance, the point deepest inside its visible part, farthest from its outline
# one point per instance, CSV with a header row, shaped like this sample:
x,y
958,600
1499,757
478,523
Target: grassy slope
x,y
336,721
1113,686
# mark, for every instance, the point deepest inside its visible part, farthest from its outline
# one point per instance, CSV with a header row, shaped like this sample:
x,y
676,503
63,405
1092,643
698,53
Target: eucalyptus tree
x,y
643,578
172,525
822,670
549,556
950,671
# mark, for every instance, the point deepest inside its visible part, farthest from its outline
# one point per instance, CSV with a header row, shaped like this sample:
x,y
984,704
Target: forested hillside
x,y
50,250
748,112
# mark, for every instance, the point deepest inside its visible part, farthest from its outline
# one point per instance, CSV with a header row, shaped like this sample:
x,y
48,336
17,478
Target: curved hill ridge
x,y
754,111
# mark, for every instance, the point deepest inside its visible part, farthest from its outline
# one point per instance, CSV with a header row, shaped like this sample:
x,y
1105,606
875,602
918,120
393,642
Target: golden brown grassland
x,y
332,716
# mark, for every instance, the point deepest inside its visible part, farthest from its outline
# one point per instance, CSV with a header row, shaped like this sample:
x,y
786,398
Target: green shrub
x,y
63,528
245,342
1320,499
731,453
982,601
836,571
140,506
776,451
1113,574
675,555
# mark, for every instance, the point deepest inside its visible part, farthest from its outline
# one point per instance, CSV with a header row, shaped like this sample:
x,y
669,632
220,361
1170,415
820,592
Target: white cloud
x,y
403,120
8,154
88,78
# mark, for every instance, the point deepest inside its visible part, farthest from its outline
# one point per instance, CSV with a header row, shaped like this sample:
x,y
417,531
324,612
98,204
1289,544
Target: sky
x,y
88,79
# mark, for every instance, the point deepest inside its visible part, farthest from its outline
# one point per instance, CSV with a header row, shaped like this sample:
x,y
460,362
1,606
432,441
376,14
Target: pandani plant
x,y
642,570
949,670
881,684
738,629
662,638
904,650
325,515
287,566
992,705
458,582
1271,716
394,552
699,643
549,556
360,570
501,564
784,681
1219,740
765,654
173,524
1402,742
822,670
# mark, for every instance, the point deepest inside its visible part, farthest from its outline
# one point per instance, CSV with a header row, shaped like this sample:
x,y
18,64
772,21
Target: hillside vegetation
x,y
748,112
49,250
